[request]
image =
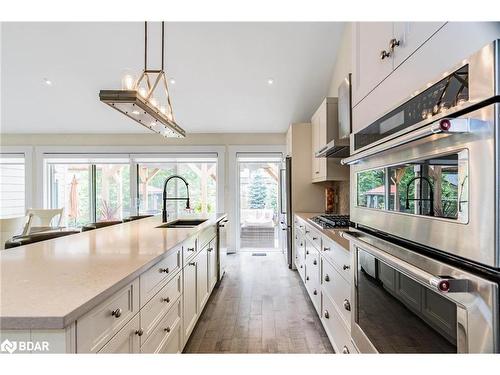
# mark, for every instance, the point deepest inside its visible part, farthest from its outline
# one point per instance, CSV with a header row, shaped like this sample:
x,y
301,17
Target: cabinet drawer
x,y
126,341
313,288
337,332
340,257
189,248
163,330
206,236
99,325
157,276
313,237
159,305
312,265
338,289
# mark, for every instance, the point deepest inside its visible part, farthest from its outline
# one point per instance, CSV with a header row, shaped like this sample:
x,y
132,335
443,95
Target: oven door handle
x,y
443,126
437,283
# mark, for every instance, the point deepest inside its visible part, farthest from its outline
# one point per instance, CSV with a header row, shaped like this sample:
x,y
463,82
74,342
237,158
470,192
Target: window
x,y
201,176
88,190
12,185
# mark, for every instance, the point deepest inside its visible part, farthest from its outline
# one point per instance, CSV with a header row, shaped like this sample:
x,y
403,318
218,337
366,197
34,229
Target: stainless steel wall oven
x,y
425,199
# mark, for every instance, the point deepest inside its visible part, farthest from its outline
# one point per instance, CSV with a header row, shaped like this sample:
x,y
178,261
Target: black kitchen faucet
x,y
164,210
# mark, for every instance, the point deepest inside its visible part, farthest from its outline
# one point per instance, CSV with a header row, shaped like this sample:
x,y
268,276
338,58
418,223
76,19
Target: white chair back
x,y
45,217
14,226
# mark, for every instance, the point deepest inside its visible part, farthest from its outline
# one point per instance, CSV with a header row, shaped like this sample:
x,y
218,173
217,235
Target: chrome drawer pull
x,y
346,267
167,329
139,332
327,278
192,264
326,249
347,305
167,300
190,249
326,314
345,350
315,238
165,270
116,313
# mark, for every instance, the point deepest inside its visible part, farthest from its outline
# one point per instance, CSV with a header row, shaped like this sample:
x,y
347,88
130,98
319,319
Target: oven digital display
x,y
449,92
400,315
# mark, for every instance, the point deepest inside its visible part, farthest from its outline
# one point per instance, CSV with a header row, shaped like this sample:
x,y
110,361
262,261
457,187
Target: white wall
x,y
343,62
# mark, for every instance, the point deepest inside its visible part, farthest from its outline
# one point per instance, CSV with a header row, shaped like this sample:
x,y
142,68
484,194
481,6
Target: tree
x,y
257,192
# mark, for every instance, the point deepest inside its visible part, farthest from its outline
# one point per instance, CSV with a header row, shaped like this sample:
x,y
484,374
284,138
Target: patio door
x,y
258,203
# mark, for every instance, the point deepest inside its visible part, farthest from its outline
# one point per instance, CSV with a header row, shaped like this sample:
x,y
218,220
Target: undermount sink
x,y
183,223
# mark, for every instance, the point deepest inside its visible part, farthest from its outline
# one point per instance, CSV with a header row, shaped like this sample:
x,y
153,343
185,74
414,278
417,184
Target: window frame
x,y
27,151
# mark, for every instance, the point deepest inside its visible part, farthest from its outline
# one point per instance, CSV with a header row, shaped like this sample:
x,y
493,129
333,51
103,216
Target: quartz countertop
x,y
49,284
333,234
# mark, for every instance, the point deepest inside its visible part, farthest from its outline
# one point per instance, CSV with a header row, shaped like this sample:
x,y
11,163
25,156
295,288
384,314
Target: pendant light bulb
x,y
128,82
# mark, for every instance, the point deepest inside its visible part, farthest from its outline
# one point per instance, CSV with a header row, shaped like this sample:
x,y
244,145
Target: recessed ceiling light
x,y
270,81
172,81
48,82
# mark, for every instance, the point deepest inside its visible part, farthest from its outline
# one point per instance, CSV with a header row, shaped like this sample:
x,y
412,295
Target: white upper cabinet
x,y
411,35
369,68
380,47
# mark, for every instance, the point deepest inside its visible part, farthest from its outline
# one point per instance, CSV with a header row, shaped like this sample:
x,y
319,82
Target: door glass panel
x,y
112,191
400,315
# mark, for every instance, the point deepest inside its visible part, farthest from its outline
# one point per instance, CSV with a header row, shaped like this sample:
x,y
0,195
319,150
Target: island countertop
x,y
49,284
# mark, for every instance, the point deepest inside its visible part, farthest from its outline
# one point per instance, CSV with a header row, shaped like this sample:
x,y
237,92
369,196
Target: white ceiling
x,y
221,72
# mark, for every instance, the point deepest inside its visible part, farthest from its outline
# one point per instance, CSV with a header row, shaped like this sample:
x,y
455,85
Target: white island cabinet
x,y
149,301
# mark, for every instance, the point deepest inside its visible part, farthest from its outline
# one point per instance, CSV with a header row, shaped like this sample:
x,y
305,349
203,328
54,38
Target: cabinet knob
x,y
393,43
384,54
326,314
167,329
345,350
327,278
307,231
307,252
307,278
315,262
347,305
315,238
139,332
326,249
164,270
315,292
301,266
346,267
210,249
116,313
167,300
192,264
190,249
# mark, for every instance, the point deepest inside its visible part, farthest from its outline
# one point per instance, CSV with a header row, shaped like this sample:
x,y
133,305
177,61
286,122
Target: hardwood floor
x,y
260,306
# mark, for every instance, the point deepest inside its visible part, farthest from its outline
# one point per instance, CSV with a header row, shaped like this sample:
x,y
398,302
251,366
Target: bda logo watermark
x,y
8,346
24,346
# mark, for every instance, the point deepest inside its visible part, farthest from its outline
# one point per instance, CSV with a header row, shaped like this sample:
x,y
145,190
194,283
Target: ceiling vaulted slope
x,y
221,72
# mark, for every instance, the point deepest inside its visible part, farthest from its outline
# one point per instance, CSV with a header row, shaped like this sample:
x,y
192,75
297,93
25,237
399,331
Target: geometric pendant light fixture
x,y
147,99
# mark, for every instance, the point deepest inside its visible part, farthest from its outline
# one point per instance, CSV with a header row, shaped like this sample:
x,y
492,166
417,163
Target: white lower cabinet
x,y
190,311
168,329
326,275
156,312
127,340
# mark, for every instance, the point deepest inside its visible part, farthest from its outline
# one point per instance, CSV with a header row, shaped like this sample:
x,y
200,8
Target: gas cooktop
x,y
332,221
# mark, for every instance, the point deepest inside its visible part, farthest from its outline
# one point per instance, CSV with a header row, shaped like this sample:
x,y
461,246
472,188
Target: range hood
x,y
336,148
338,145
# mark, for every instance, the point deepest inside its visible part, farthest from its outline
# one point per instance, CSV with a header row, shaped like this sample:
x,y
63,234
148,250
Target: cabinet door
x,y
369,39
190,312
212,264
411,35
315,144
126,340
202,278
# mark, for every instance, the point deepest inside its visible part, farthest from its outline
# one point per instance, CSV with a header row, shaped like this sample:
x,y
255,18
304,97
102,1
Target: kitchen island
x,y
79,292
